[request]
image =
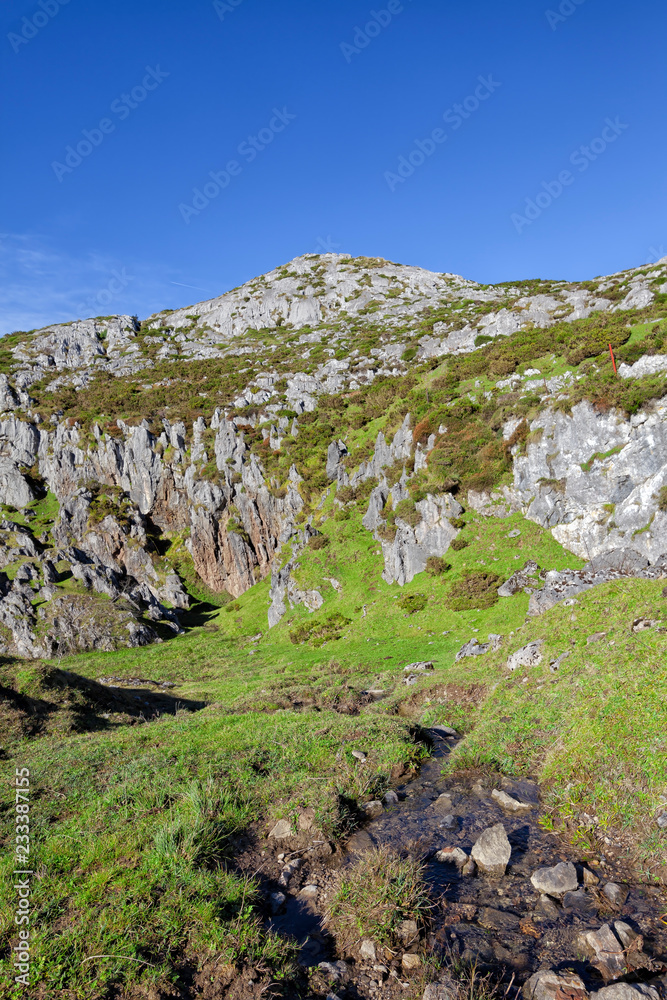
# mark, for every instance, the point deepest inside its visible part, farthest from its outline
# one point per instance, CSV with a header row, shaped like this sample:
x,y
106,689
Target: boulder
x,y
556,881
528,656
491,852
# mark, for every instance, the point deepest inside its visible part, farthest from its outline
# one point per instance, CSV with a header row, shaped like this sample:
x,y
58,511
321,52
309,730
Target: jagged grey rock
x,y
529,655
491,851
555,881
548,984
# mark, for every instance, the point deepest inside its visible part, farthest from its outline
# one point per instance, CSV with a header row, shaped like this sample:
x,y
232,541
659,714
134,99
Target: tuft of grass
x,y
374,895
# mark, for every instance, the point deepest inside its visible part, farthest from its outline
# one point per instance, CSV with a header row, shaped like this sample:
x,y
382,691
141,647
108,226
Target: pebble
x,y
277,901
367,950
407,932
289,871
309,892
281,831
360,755
390,798
437,991
373,809
410,962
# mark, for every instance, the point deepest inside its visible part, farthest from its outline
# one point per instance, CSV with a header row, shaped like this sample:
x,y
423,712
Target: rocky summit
x,y
265,555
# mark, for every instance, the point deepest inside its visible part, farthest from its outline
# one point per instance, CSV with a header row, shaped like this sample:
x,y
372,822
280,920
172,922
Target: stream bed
x,y
502,924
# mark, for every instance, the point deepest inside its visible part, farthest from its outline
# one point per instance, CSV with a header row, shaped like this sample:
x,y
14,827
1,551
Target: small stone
x,y
580,901
514,534
616,894
443,731
469,867
367,950
277,901
306,819
335,970
548,908
407,933
662,821
410,962
590,878
281,831
309,892
627,936
547,984
443,804
438,991
390,798
508,803
360,755
452,856
419,668
557,880
450,822
289,871
491,852
373,809
596,637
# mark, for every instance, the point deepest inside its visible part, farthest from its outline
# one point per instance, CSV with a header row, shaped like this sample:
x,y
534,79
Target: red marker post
x,y
613,359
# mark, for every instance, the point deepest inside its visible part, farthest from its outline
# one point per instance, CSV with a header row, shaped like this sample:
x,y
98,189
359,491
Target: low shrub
x,y
319,542
437,566
474,591
413,603
459,543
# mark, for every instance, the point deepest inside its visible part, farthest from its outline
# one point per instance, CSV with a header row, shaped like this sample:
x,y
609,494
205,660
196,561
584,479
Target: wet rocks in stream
x,y
506,897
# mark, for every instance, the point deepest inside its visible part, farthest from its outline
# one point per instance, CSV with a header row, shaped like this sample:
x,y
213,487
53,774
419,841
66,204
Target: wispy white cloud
x,y
40,284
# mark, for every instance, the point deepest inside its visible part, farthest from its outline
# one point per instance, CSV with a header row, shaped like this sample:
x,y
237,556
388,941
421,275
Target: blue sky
x,y
304,112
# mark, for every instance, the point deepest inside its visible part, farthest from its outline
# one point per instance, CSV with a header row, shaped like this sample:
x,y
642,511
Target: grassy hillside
x,y
158,772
